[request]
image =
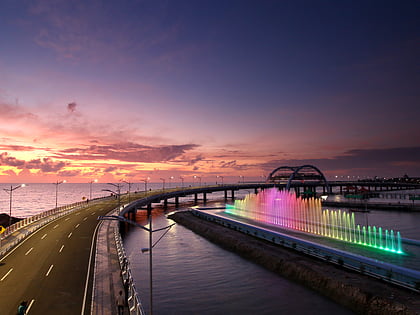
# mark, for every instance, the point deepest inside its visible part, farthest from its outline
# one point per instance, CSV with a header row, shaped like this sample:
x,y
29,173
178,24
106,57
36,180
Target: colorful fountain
x,y
285,209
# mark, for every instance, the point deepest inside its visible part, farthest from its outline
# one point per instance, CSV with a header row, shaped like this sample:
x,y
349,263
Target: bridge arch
x,y
303,173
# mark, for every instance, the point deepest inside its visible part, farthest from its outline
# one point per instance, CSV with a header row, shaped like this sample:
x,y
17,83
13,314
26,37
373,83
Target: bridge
x,y
49,261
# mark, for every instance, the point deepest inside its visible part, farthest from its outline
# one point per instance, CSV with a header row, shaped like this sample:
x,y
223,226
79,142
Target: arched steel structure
x,y
302,173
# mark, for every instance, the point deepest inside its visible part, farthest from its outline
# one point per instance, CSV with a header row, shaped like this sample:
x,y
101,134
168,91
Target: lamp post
x,y
58,182
182,181
145,183
90,187
199,178
170,178
129,189
219,176
118,192
10,192
163,183
143,250
241,176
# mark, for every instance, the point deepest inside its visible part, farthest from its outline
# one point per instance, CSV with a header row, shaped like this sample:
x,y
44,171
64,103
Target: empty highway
x,y
49,268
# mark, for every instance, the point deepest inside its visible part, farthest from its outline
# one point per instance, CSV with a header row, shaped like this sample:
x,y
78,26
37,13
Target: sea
x,y
192,275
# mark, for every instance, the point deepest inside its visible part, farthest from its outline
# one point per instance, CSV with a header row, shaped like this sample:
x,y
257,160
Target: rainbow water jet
x,y
285,209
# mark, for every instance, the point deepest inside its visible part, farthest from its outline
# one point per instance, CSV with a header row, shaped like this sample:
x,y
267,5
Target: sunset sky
x,y
124,90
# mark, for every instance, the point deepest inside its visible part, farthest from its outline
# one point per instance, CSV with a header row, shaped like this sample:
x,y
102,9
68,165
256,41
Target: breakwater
x,y
357,292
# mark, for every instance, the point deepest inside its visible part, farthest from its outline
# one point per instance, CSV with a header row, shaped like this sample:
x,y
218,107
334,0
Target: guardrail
x,y
397,275
134,303
37,221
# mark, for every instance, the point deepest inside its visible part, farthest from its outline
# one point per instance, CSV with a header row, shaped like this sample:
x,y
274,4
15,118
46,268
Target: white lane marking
x,y
77,225
56,226
77,213
93,213
49,270
30,250
69,235
67,219
29,306
43,236
61,249
4,277
85,218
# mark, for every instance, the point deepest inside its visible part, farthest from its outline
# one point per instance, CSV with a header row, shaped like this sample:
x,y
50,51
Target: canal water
x,y
194,276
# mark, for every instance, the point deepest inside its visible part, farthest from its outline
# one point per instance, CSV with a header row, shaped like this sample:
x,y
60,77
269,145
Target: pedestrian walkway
x,y
107,272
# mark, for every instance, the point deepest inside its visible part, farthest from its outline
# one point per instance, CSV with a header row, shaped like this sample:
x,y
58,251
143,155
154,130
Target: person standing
x,y
120,303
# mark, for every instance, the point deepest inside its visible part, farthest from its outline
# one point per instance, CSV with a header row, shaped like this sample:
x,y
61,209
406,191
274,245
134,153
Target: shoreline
x,y
359,293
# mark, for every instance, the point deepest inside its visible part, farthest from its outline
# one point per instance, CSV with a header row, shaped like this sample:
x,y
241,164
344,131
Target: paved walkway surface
x,y
107,274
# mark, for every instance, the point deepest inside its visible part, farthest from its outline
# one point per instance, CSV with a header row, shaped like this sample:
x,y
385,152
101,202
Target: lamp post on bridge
x,y
90,187
219,176
57,183
129,188
145,183
118,192
10,192
144,250
182,181
199,178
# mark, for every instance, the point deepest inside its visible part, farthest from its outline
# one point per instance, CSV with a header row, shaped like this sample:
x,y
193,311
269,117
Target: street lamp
x,y
143,250
219,176
241,176
182,181
58,182
118,192
145,183
10,192
90,187
170,181
129,189
199,178
163,183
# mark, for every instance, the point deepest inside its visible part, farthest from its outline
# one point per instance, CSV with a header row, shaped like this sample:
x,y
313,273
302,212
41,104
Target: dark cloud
x,y
46,165
128,152
71,107
71,173
7,160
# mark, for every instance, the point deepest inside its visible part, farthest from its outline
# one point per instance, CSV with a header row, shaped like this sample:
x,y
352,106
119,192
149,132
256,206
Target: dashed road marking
x,y
66,219
61,248
29,306
77,225
4,277
43,236
30,250
85,218
56,226
68,236
49,270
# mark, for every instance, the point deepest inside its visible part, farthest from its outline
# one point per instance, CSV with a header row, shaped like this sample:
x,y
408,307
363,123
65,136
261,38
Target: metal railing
x,y
134,303
33,223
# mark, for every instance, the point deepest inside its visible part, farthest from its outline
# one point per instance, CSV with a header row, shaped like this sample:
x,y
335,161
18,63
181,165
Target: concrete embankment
x,y
357,292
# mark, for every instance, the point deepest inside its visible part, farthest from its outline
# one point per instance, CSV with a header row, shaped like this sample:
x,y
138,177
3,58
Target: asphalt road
x,y
49,268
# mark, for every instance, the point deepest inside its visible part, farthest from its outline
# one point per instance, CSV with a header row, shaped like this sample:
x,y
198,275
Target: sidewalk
x,y
107,272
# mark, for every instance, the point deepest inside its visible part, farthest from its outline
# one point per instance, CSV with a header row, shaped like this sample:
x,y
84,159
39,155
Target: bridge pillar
x,y
176,201
233,194
165,203
256,190
204,197
195,198
226,195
